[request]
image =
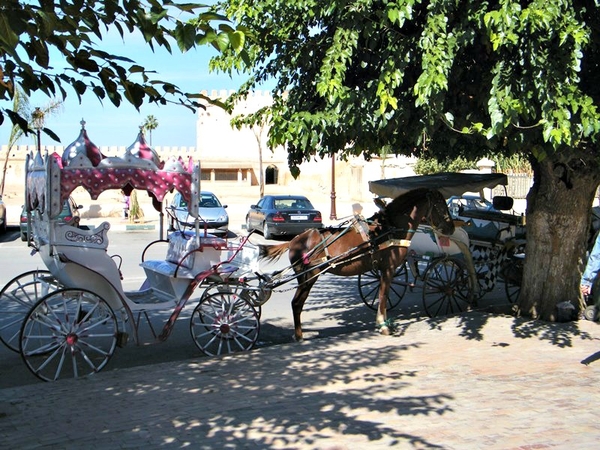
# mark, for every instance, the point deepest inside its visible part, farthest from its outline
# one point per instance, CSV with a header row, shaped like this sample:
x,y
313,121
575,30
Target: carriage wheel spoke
x,y
223,323
447,288
69,333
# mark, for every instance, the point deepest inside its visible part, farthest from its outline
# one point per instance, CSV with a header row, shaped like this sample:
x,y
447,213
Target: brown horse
x,y
379,243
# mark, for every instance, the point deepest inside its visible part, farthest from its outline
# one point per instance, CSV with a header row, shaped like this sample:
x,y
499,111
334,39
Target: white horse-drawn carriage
x,y
67,321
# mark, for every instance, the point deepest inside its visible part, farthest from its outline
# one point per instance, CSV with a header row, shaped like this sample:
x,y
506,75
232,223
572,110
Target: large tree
x,y
443,78
54,47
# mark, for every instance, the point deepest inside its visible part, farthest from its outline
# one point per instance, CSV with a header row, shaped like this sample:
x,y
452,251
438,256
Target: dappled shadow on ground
x,y
339,306
340,310
559,334
473,323
305,397
300,395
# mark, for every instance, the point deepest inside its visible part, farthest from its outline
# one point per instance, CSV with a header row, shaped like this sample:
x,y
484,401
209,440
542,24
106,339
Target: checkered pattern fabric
x,y
488,260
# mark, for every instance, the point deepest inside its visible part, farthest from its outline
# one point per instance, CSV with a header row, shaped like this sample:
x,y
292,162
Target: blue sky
x,y
111,126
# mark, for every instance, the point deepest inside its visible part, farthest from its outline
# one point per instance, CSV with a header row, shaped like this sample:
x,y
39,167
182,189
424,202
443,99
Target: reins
x,y
348,256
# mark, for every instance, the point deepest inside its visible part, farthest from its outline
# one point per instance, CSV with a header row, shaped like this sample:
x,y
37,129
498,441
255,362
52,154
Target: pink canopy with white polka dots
x,y
82,164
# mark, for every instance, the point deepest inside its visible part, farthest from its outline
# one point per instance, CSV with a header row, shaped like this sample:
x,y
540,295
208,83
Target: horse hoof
x,y
297,339
384,331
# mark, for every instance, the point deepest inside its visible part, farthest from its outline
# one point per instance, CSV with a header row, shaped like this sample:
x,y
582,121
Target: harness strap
x,y
395,243
362,228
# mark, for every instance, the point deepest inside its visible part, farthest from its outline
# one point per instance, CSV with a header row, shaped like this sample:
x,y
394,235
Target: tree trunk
x,y
261,180
4,167
558,221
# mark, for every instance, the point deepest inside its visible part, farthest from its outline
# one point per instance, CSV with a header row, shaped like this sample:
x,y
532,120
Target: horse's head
x,y
438,215
419,204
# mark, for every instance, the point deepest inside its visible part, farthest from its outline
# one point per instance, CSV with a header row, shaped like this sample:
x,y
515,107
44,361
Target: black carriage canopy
x,y
448,183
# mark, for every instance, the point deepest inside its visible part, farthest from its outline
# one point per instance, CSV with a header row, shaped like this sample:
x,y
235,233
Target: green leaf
x,y
222,41
237,40
7,35
186,36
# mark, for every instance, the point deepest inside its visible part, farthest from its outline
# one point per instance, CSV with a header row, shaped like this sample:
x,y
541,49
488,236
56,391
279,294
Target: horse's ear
x,y
380,203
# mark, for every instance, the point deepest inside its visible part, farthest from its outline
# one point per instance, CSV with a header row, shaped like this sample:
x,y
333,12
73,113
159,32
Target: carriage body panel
x,y
431,244
78,259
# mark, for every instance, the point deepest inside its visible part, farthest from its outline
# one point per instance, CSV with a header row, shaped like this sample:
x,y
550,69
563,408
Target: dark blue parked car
x,y
283,215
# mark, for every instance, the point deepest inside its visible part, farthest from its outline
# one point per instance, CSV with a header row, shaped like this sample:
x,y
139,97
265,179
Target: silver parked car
x,y
69,216
211,211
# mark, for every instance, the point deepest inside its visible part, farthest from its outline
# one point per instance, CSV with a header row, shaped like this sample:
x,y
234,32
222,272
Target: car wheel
x,y
24,237
3,227
248,227
266,231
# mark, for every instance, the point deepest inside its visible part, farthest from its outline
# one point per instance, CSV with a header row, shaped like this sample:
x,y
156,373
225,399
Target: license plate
x,y
298,217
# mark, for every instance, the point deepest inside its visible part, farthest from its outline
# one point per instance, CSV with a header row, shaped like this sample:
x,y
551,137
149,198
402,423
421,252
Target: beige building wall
x,y
220,146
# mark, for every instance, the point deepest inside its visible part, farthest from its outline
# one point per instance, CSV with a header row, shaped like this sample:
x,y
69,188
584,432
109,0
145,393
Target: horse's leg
x,y
305,284
384,288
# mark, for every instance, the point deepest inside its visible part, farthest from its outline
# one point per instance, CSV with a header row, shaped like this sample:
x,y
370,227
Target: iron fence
x,y
518,186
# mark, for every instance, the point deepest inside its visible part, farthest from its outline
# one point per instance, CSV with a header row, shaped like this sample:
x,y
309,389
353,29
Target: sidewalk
x,y
473,381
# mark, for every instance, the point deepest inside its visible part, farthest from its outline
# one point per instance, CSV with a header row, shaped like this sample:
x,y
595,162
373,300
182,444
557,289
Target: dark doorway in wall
x,y
271,175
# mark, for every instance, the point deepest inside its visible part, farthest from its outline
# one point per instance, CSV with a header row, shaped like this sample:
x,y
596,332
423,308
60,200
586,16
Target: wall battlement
x,y
20,151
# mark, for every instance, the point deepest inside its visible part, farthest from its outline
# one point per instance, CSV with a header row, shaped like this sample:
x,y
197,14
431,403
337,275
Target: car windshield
x,y
209,201
292,203
206,201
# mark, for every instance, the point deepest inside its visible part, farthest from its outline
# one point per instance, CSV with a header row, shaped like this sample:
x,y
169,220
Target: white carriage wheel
x,y
256,295
369,283
17,298
224,323
69,333
447,287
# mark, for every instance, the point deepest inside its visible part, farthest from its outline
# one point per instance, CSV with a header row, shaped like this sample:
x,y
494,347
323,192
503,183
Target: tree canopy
x,y
436,78
54,47
444,79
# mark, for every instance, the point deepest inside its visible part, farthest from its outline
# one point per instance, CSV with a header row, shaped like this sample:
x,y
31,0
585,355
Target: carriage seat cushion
x,y
182,243
167,268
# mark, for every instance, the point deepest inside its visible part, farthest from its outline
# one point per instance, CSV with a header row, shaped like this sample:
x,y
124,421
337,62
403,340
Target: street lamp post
x,y
333,215
38,123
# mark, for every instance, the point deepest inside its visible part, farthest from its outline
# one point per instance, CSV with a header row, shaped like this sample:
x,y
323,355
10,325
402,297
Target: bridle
x,y
434,205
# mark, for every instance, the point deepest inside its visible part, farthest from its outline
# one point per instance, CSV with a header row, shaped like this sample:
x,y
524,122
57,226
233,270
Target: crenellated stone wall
x,y
230,157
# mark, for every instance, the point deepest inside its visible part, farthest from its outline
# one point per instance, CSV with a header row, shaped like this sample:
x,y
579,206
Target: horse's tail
x,y
272,252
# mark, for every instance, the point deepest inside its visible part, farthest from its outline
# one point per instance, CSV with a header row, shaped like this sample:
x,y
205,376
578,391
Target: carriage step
x,y
149,297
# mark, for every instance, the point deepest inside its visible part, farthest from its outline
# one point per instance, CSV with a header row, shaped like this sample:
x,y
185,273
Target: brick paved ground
x,y
474,381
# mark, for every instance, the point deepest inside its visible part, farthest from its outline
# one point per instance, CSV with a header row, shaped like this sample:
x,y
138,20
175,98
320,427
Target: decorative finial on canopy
x,y
82,152
142,151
